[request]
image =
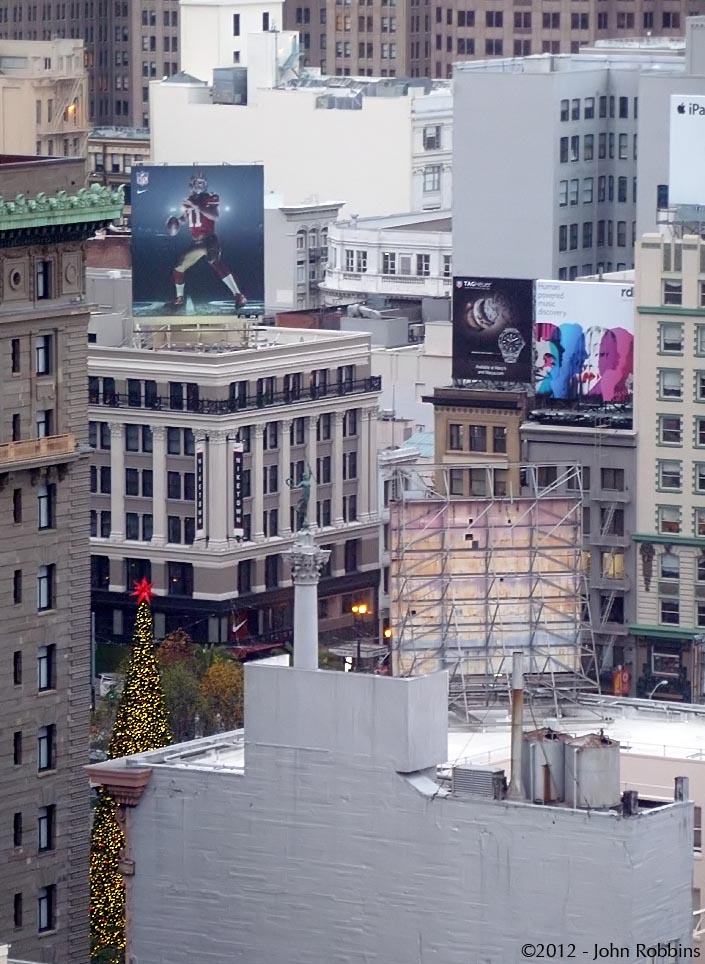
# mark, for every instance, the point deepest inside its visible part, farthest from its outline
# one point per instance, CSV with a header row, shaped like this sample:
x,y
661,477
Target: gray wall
x,y
321,853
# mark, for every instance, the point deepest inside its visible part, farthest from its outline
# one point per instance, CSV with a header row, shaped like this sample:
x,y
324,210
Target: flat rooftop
x,y
430,221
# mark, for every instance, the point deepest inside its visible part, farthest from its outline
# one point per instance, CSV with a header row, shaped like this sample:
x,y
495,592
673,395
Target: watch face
x,y
512,342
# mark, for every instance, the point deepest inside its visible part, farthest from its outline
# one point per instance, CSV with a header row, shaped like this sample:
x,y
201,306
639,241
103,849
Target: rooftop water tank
x,y
543,766
592,772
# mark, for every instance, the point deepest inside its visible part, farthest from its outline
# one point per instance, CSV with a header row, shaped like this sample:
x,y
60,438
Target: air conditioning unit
x,y
417,333
386,414
477,781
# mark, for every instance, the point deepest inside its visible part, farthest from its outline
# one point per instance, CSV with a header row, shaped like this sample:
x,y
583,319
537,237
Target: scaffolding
x,y
474,579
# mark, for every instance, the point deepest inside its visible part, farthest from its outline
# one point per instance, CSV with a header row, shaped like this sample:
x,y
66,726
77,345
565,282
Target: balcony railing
x,y
227,406
37,448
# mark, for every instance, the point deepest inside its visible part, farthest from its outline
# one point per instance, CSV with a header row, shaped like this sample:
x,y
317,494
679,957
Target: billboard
x,y
584,340
511,568
686,149
492,325
197,241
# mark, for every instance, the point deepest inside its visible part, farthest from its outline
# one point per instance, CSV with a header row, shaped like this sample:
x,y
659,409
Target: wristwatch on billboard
x,y
510,344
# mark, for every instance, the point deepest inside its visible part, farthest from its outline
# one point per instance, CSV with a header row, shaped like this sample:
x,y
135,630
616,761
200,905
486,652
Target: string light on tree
x,y
140,725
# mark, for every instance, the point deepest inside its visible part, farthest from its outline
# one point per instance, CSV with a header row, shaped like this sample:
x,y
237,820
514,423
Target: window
x,y
350,423
46,668
46,748
431,178
17,506
700,432
671,338
612,479
672,293
349,508
587,234
494,18
575,148
563,150
669,518
455,437
432,138
697,830
45,587
670,610
700,386
350,465
180,578
351,555
477,438
669,475
493,48
389,261
612,564
236,25
671,20
46,908
17,910
565,104
499,438
265,21
323,515
552,21
423,265
46,828
46,506
563,237
563,194
15,356
573,237
589,108
45,422
271,571
669,565
588,147
670,429
611,522
456,481
623,147
17,667
669,383
43,354
699,480
17,830
574,191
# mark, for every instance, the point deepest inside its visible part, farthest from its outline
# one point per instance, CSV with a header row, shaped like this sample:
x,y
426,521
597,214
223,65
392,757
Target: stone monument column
x,y
307,561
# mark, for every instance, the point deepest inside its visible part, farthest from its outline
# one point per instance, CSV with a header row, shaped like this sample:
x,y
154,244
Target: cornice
x,y
88,205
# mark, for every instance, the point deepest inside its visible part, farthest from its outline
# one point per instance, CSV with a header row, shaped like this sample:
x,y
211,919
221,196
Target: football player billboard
x,y
584,340
492,327
197,240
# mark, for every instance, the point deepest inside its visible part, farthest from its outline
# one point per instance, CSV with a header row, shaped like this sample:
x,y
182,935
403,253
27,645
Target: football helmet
x,y
198,183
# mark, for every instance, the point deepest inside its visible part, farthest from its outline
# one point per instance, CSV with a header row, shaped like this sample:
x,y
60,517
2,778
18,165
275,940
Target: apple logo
x,y
681,108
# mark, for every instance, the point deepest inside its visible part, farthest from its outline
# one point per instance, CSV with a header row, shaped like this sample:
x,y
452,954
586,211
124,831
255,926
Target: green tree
x,y
183,699
141,724
222,687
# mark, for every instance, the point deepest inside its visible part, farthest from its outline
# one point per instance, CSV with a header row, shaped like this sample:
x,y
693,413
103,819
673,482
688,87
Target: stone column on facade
x,y
336,475
257,483
284,461
307,562
117,481
217,490
371,456
159,509
311,457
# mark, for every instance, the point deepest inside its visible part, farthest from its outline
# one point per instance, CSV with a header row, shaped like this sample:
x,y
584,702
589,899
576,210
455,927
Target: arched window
x,y
301,239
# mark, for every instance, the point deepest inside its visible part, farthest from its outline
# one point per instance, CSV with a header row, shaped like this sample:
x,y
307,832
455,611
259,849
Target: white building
x,y
552,193
376,145
405,257
326,832
217,33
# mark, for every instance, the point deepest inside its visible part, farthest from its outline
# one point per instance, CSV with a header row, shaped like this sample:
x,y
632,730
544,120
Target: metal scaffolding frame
x,y
475,578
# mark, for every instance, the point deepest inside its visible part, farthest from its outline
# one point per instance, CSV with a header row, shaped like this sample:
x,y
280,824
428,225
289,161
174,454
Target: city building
x,y
344,818
670,518
573,183
127,45
403,259
389,39
603,443
295,400
112,153
45,687
44,97
340,128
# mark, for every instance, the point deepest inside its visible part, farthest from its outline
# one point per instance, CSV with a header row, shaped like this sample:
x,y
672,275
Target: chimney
x,y
681,793
307,561
515,791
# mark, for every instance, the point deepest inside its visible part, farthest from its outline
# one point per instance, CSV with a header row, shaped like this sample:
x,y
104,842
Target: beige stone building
x,y
168,421
127,44
389,39
44,572
670,422
43,98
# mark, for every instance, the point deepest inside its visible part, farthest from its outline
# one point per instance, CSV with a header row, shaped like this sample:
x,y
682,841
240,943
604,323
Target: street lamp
x,y
663,682
359,610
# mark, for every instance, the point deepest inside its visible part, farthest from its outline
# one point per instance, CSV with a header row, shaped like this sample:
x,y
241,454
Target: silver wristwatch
x,y
510,344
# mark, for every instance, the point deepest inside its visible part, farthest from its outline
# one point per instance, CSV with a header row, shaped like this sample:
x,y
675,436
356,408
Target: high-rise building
x,y
384,38
127,45
166,419
670,423
45,645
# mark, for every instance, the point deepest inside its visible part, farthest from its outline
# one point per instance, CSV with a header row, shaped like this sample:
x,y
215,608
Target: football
x,y
172,226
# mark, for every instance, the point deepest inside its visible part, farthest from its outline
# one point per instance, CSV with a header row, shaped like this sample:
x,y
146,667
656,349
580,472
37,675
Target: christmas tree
x,y
141,725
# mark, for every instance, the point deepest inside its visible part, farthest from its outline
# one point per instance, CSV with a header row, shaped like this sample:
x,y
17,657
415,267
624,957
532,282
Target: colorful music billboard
x,y
584,340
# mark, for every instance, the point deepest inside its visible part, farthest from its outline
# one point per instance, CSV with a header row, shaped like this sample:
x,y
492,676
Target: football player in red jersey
x,y
201,213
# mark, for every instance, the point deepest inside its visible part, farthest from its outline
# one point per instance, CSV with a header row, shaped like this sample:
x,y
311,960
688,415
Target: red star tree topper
x,y
143,591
